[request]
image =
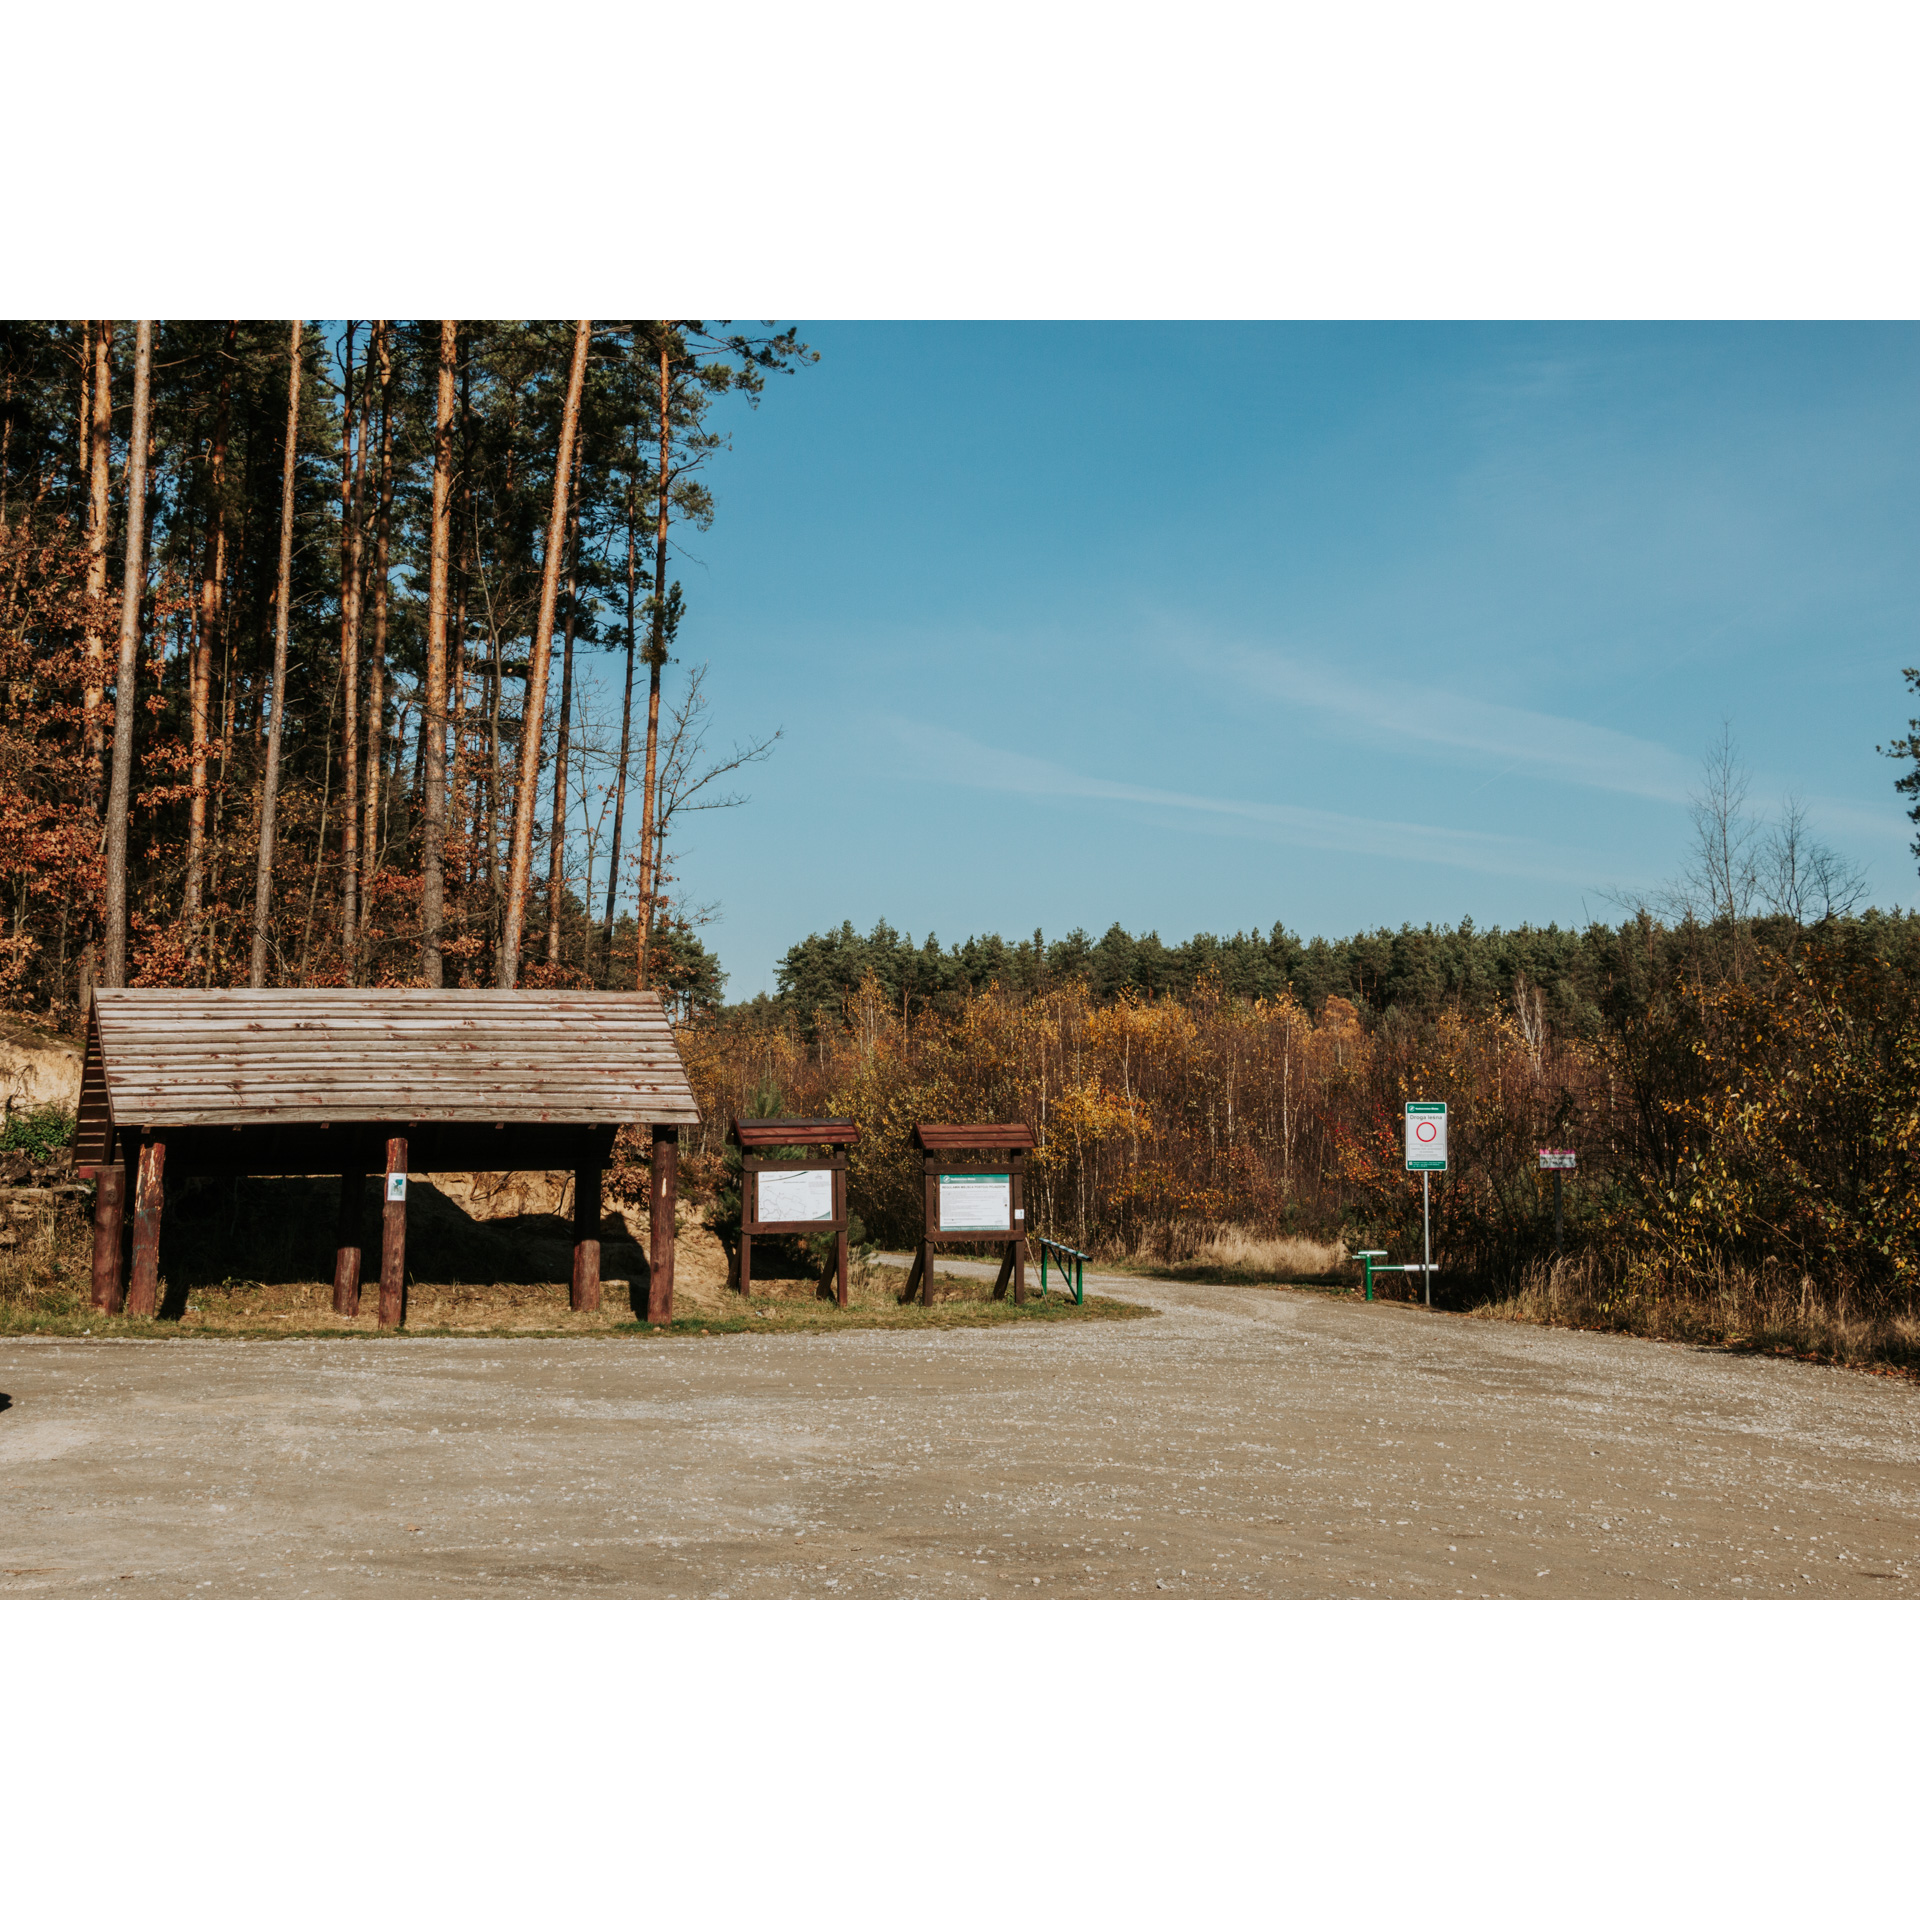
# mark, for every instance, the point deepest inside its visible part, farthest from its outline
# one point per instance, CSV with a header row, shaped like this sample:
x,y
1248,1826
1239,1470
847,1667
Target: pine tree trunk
x,y
491,867
353,462
83,436
270,790
533,714
463,799
377,658
113,967
626,738
6,446
556,866
99,511
459,800
656,659
200,678
434,826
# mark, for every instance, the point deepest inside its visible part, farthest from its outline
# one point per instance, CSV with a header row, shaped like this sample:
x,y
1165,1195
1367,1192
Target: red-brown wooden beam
x,y
1006,1272
913,1275
346,1256
143,1284
663,1196
586,1239
393,1240
930,1200
840,1214
1018,1192
109,1223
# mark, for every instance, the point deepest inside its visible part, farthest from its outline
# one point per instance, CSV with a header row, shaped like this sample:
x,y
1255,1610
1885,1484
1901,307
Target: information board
x,y
805,1193
978,1200
1426,1136
1556,1159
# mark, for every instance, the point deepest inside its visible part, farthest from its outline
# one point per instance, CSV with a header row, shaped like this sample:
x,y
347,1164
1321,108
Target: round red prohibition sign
x,y
1425,1132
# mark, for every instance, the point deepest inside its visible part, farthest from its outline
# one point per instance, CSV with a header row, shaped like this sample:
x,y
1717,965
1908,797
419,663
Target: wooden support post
x,y
346,1252
1017,1189
143,1284
662,1197
749,1200
109,1221
1006,1272
586,1240
840,1214
393,1239
130,1186
913,1275
930,1221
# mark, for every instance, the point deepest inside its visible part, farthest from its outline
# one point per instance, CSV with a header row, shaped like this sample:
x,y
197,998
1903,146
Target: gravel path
x,y
1244,1443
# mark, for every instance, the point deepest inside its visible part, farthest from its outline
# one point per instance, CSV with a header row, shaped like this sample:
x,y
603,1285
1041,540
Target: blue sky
x,y
1203,626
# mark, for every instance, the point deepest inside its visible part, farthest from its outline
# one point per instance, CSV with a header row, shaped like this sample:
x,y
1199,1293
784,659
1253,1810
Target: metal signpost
x,y
1426,1156
1556,1159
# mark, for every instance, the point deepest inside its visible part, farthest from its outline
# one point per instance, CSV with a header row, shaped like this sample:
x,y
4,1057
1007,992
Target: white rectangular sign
x,y
396,1186
804,1194
1426,1136
1556,1159
982,1200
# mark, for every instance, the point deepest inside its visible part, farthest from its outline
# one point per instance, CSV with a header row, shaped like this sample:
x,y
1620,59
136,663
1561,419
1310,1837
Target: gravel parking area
x,y
1248,1442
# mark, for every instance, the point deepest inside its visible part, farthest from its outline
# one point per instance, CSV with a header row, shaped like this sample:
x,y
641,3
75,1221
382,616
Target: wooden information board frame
x,y
940,1147
830,1141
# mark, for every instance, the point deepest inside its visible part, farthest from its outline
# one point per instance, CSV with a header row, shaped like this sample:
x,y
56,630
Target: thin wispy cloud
x,y
1516,738
956,760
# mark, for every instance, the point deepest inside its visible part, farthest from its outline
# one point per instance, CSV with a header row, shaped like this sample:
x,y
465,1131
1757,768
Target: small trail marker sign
x,y
1426,1136
1556,1161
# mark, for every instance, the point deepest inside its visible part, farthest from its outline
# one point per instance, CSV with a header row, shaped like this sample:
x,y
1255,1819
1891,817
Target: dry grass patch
x,y
1232,1257
1743,1311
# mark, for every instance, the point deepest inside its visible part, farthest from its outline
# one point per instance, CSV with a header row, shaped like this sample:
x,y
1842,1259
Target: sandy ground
x,y
1245,1443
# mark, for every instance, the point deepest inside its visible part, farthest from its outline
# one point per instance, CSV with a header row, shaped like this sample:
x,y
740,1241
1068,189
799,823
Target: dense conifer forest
x,y
296,618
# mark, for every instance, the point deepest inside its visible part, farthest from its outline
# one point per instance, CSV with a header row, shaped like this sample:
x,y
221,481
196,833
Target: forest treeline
x,y
1743,1097
295,618
1415,970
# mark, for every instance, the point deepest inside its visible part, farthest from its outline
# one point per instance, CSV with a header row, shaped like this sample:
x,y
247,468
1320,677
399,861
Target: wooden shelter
x,y
974,1199
812,1187
387,1082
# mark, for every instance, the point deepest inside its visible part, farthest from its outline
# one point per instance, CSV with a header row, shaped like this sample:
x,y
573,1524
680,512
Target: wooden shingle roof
x,y
754,1134
168,1057
934,1137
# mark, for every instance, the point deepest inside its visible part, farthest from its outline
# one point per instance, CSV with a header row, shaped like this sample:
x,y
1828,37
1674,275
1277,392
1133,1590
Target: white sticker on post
x,y
396,1186
1019,1213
